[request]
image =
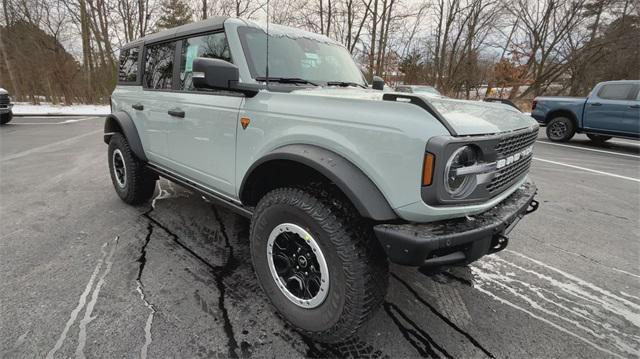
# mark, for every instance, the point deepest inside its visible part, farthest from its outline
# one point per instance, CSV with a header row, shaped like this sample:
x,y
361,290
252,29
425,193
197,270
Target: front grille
x,y
513,144
508,175
508,146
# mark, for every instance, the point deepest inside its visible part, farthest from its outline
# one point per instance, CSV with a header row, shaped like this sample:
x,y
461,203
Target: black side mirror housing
x,y
378,83
218,74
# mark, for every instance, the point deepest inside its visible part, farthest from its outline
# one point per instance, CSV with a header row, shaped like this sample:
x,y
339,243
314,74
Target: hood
x,y
465,117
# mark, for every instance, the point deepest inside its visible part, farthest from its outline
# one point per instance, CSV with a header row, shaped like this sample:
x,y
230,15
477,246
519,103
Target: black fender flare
x,y
120,121
358,188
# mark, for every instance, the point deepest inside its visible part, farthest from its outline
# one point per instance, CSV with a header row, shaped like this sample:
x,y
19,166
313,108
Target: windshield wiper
x,y
345,84
286,80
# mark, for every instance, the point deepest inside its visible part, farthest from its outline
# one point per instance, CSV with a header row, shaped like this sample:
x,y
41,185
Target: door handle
x,y
596,104
176,112
138,106
634,106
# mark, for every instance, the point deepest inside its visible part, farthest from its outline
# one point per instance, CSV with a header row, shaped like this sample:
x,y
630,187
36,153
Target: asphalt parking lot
x,y
83,274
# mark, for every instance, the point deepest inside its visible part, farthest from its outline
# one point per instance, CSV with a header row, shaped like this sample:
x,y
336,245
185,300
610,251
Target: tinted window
x,y
212,46
129,65
403,89
158,66
615,91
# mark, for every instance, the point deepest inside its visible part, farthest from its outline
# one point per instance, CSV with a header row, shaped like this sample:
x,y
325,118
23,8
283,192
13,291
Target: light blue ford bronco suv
x,y
337,179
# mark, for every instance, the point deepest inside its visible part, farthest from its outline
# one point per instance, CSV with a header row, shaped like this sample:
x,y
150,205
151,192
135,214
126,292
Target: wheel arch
x,y
563,113
121,122
306,162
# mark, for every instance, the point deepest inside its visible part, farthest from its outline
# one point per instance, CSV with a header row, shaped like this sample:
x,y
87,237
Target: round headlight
x,y
458,185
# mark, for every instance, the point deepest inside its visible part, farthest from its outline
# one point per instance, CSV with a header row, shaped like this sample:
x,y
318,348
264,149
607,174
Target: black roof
x,y
213,23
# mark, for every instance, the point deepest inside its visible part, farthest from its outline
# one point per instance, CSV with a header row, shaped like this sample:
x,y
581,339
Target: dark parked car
x,y
5,107
612,109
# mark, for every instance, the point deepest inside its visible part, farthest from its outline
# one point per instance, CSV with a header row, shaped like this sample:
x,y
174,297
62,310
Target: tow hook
x,y
533,206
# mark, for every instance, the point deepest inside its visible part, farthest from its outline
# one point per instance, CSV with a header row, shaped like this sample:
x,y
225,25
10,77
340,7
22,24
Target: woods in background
x,y
65,51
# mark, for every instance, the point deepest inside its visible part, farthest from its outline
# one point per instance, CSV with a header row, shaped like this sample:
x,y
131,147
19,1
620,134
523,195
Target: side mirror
x,y
378,83
214,74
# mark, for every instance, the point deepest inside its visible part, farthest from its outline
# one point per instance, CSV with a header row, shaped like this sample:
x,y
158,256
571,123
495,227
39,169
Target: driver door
x,y
202,140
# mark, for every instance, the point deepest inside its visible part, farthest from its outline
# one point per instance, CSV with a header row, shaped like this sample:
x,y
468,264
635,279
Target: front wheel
x,y
317,262
598,138
560,129
131,180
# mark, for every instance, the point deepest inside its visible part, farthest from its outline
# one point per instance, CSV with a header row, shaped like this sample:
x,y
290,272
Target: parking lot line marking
x,y
55,123
587,169
47,146
588,149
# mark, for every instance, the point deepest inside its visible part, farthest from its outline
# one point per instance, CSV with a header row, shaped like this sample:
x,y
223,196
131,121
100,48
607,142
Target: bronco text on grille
x,y
514,160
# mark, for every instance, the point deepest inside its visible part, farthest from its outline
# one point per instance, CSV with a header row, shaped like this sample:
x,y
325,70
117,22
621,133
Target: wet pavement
x,y
84,275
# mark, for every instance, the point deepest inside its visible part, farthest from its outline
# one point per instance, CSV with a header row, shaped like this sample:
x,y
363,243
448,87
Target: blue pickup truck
x,y
612,109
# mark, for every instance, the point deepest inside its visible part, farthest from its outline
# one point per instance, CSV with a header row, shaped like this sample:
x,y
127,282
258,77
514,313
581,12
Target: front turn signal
x,y
427,169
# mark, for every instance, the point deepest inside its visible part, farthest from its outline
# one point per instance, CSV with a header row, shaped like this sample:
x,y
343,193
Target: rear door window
x,y
158,66
616,91
129,64
213,46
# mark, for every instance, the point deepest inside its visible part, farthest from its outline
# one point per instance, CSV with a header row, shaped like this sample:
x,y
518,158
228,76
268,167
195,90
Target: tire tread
x,y
140,181
350,235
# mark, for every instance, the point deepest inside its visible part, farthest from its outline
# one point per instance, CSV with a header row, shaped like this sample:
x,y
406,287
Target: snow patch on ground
x,y
49,109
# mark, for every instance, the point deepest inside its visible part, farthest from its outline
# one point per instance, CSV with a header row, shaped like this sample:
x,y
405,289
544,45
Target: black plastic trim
x,y
503,101
208,193
422,103
456,241
124,121
358,188
631,136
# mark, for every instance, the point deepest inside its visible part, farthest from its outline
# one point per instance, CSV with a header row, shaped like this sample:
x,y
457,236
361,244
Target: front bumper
x,y
6,109
457,241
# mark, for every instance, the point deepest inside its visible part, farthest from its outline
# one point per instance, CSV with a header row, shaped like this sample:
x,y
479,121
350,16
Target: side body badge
x,y
245,121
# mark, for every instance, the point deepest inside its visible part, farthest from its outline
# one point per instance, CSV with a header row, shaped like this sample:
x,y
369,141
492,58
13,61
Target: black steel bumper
x,y
460,240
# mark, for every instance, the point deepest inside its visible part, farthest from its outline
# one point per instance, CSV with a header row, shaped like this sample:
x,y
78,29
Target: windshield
x,y
298,57
426,89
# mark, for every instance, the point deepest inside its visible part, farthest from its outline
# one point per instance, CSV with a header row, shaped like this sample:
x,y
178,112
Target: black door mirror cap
x,y
218,74
377,83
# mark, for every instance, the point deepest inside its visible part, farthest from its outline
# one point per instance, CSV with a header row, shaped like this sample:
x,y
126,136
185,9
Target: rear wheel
x,y
317,262
133,182
598,138
5,118
560,129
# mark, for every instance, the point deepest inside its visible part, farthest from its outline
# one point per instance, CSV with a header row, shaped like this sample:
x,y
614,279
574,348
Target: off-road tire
x,y
358,268
6,118
139,183
599,139
560,129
